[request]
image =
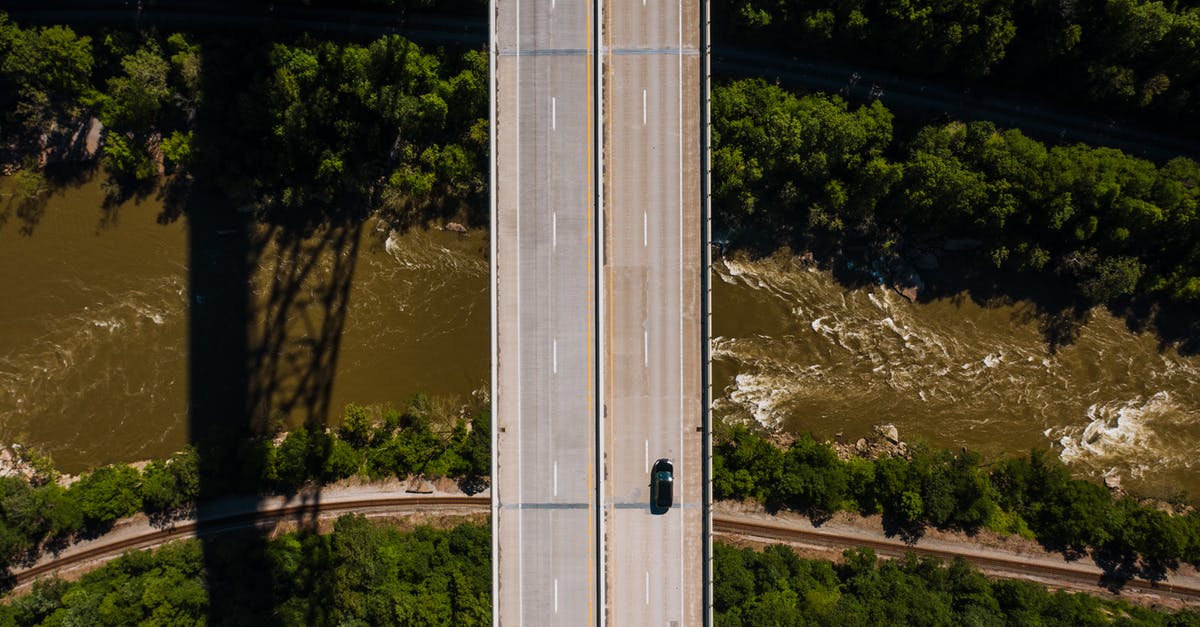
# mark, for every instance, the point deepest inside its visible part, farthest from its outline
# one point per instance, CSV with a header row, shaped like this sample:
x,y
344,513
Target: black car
x,y
662,479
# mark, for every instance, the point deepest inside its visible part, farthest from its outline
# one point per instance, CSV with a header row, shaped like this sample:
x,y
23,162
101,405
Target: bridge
x,y
600,310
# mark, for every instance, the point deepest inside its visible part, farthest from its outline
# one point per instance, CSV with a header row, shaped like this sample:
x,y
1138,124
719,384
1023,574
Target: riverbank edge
x,y
857,463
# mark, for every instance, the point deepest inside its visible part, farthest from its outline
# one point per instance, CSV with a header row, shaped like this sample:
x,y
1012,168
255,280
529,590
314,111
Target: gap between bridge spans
x,y
579,52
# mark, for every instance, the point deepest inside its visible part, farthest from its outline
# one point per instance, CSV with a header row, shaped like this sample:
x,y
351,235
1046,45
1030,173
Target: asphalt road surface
x,y
545,479
646,354
653,259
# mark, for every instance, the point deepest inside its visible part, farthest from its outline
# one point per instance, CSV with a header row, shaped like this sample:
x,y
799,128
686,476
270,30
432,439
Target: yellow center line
x,y
592,587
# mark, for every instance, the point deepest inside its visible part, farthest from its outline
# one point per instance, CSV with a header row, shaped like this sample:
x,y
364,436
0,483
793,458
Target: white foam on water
x,y
955,366
392,244
1132,437
760,396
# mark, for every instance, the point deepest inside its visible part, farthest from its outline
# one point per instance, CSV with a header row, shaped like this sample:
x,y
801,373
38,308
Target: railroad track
x,y
193,528
1062,576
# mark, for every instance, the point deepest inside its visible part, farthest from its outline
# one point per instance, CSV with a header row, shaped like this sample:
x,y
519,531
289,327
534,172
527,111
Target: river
x,y
94,325
793,349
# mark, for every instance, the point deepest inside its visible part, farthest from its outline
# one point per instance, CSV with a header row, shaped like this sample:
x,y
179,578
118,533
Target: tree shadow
x,y
1046,299
1121,566
909,531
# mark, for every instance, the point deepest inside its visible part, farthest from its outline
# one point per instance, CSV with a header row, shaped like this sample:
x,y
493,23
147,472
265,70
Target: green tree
x,y
107,493
49,69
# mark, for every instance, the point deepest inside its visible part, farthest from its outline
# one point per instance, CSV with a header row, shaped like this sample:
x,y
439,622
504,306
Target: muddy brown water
x,y
94,325
94,320
792,348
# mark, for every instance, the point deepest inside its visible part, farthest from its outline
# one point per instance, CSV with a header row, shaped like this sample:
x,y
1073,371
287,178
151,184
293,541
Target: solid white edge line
x,y
520,486
495,503
601,592
682,594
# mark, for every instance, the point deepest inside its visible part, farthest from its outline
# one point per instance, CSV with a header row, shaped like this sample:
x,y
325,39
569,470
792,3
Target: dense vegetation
x,y
372,574
296,128
1034,496
1121,55
34,515
813,172
775,587
361,574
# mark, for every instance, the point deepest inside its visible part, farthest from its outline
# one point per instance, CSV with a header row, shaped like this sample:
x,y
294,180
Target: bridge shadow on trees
x,y
295,146
255,301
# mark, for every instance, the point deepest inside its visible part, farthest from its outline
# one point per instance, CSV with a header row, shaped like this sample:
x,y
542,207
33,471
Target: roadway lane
x,y
545,410
653,263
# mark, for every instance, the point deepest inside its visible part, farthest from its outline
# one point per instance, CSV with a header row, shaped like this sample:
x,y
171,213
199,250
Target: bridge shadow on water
x,y
267,302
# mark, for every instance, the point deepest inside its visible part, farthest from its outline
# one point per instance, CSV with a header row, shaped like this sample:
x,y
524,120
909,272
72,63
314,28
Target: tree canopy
x,y
775,587
1132,56
1034,496
813,172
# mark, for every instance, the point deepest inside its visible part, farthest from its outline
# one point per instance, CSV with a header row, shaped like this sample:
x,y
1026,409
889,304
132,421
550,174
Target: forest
x,y
775,587
1033,496
1135,57
363,573
1092,225
299,128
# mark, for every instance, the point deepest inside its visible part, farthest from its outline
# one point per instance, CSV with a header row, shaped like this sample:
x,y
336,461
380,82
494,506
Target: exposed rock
x,y
13,465
888,432
910,293
782,439
907,282
419,485
92,141
455,227
154,146
884,442
6,461
1113,482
